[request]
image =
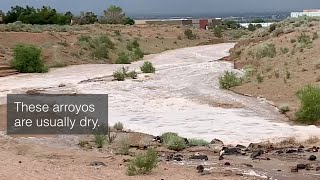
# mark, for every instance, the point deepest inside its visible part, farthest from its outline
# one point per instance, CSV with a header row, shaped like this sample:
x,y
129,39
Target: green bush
x,y
133,45
167,136
119,75
143,163
100,46
229,80
304,40
100,140
138,54
266,50
217,32
84,38
259,78
189,34
272,27
198,142
123,58
27,59
147,67
309,97
284,50
117,32
118,126
124,146
315,35
176,143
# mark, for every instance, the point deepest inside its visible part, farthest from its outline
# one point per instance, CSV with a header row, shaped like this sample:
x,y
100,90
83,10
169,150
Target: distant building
x,y
308,12
246,25
196,23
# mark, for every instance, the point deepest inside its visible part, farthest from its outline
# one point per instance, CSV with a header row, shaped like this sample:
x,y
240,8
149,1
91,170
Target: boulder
x,y
301,166
257,153
216,141
312,158
199,157
200,168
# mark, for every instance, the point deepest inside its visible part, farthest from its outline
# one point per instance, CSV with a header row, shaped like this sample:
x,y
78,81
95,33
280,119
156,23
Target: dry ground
x,y
287,72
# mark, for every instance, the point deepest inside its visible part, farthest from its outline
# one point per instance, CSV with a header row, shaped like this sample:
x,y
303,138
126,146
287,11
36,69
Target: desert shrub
x,y
133,45
176,143
189,34
117,32
293,40
217,32
251,27
148,67
100,46
100,140
27,59
277,32
137,54
309,111
262,32
124,146
304,40
288,30
118,126
284,50
272,27
119,75
132,74
84,38
198,142
249,71
288,74
259,78
266,50
167,136
229,80
315,36
143,163
123,58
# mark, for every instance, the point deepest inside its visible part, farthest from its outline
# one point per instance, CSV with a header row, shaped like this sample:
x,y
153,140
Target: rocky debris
x,y
318,168
254,146
199,157
125,160
97,163
294,169
290,151
175,157
33,92
200,168
232,151
158,139
301,166
227,164
248,165
62,85
216,141
240,146
312,158
284,108
257,153
313,149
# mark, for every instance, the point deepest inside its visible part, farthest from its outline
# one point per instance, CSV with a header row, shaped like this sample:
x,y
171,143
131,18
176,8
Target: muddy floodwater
x,y
183,96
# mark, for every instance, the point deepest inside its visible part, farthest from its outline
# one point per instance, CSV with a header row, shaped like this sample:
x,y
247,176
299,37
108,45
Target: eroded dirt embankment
x,y
183,96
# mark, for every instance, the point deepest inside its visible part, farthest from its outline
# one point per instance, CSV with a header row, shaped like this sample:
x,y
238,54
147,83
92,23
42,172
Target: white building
x,y
246,25
310,12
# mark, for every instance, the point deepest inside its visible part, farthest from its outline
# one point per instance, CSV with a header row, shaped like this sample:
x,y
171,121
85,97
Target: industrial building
x,y
308,12
196,23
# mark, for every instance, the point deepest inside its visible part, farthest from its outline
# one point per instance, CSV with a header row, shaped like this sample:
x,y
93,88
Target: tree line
x,y
48,15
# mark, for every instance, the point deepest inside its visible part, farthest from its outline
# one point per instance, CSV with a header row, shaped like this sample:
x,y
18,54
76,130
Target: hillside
x,y
68,45
279,61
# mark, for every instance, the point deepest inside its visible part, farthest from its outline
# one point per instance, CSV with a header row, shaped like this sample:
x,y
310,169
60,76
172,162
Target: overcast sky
x,y
171,6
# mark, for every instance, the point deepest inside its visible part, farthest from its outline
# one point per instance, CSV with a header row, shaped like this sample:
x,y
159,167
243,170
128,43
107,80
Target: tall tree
x,y
114,15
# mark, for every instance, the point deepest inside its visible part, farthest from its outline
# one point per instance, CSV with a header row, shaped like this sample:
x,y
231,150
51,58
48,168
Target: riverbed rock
x,y
97,163
318,168
216,141
232,151
254,146
200,168
294,169
199,157
257,153
312,158
301,166
240,146
227,164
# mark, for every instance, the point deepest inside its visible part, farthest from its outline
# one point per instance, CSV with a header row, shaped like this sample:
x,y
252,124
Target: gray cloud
x,y
171,6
